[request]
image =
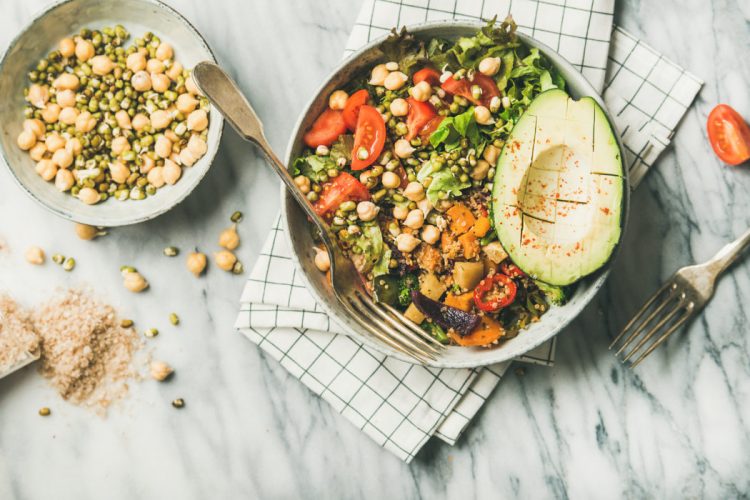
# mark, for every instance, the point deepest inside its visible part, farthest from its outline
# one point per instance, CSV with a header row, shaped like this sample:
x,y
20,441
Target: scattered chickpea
x,y
89,196
51,112
482,115
155,66
174,71
164,51
160,119
400,212
155,177
303,183
395,80
38,151
119,172
160,370
229,238
403,149
480,170
74,146
123,120
225,260
141,81
67,47
86,232
191,86
430,234
26,140
134,281
337,100
322,260
186,103
171,172
140,121
491,153
197,146
84,50
66,81
390,180
68,115
414,191
187,158
367,210
489,66
46,169
378,75
85,122
62,158
66,98
196,263
35,126
38,95
421,92
120,145
163,147
136,62
414,219
35,255
197,120
160,82
101,65
399,107
406,242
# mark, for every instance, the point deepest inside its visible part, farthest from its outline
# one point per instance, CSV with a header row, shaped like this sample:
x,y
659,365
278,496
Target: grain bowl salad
x,y
105,120
431,172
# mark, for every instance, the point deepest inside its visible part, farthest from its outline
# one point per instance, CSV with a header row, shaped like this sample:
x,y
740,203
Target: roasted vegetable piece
x,y
386,289
463,301
461,218
468,274
487,332
481,226
445,316
469,244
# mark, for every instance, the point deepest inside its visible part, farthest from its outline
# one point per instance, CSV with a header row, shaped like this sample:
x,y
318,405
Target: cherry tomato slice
x,y
494,293
351,109
729,135
511,270
326,129
463,86
429,75
420,113
369,137
343,187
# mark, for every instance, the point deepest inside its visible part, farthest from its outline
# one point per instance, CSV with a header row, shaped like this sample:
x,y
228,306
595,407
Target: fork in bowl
x,y
383,322
685,293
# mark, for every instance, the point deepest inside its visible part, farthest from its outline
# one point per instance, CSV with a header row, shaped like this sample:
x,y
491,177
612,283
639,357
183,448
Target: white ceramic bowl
x,y
39,38
298,230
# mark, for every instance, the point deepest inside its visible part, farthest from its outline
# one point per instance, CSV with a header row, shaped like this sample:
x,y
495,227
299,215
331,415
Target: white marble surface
x,y
679,427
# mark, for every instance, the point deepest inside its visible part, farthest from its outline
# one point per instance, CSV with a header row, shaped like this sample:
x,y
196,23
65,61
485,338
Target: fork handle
x,y
728,254
223,93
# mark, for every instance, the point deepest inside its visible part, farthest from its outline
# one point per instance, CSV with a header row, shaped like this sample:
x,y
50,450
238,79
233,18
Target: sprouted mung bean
x,y
108,121
174,319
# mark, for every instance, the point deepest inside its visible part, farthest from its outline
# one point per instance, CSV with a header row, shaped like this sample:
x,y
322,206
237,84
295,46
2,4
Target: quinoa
x,y
18,340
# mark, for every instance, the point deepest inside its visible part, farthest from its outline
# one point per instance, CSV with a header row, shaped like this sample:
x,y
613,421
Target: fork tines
x,y
659,317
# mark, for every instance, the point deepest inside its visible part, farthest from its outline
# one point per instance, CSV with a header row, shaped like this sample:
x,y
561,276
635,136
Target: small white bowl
x,y
42,36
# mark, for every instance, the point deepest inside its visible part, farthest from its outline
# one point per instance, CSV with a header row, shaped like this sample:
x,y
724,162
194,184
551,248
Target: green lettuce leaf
x,y
313,166
381,267
442,180
452,128
368,247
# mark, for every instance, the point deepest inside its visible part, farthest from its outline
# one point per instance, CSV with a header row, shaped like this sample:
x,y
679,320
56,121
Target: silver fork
x,y
681,297
382,321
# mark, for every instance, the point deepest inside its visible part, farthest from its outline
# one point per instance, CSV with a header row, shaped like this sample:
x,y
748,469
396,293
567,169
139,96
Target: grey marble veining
x,y
678,427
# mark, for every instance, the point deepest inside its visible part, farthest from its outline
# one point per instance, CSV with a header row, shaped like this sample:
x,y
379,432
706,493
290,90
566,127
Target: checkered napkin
x,y
401,405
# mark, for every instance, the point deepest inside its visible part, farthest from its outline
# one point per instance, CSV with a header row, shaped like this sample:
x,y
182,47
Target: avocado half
x,y
558,189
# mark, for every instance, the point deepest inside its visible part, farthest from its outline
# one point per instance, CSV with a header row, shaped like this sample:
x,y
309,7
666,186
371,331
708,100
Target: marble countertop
x,y
678,427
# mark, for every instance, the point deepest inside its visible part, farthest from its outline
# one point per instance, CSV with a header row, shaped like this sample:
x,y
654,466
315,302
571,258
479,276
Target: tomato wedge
x,y
494,293
729,135
351,110
463,86
420,113
343,187
431,126
429,75
369,137
326,129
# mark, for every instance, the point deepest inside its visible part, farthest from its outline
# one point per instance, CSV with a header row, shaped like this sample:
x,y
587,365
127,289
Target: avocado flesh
x,y
558,189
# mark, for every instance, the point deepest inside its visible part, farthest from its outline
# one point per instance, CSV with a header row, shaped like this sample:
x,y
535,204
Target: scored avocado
x,y
558,189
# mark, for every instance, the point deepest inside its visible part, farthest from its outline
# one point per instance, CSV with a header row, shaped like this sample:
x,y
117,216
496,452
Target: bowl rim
x,y
599,277
208,157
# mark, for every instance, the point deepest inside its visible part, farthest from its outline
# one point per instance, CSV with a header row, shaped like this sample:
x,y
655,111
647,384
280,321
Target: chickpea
x,y
119,172
35,255
38,95
155,66
186,103
26,140
171,172
483,116
164,51
74,146
338,100
191,86
378,75
414,219
89,196
163,147
46,169
66,98
495,104
64,179
322,260
54,141
399,107
140,121
51,113
68,115
160,119
62,158
367,210
197,146
169,134
35,126
402,148
120,145
123,120
406,242
66,81
133,281
400,212
37,152
480,170
85,122
391,180
155,177
174,71
421,92
160,82
136,62
147,163
84,50
506,101
225,260
102,65
391,66
489,66
160,370
229,238
197,120
303,183
187,157
322,150
67,47
414,191
430,234
141,81
196,263
395,80
491,154
86,232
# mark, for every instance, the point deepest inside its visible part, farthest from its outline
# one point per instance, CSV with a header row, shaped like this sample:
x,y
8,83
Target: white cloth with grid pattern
x,y
400,405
